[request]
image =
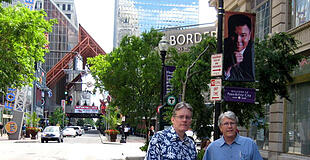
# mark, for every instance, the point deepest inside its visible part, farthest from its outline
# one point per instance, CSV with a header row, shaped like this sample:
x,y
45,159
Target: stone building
x,y
288,134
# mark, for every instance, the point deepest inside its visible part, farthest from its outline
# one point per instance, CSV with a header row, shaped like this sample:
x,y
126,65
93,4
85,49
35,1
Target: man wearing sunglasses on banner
x,y
231,146
172,143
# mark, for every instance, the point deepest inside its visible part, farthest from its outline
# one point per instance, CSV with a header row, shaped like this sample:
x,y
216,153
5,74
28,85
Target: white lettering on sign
x,y
181,39
181,36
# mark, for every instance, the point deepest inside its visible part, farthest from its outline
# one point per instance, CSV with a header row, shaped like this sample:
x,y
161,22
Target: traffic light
x,y
69,100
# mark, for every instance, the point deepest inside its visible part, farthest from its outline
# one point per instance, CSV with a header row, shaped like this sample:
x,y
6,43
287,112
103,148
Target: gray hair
x,y
180,106
230,115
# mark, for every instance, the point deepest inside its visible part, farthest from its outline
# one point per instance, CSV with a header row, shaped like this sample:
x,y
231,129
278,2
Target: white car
x,y
77,129
52,133
69,132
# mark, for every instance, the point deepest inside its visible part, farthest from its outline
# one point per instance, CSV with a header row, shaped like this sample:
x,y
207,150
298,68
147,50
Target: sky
x,y
97,17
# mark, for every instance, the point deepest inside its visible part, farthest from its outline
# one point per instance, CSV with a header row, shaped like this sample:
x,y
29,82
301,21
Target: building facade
x,y
288,134
183,39
132,17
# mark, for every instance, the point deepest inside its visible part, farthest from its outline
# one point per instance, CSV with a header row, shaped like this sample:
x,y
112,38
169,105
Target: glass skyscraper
x,y
132,17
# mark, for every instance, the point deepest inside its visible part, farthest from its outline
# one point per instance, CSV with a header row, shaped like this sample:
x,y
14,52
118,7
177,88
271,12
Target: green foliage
x,y
200,154
131,74
145,146
80,122
89,121
9,1
57,117
32,120
197,83
111,117
275,60
22,44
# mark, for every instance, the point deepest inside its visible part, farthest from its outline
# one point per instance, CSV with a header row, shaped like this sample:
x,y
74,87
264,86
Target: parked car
x,y
69,132
52,133
87,127
78,130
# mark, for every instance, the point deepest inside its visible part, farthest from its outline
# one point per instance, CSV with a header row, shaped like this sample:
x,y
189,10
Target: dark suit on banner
x,y
243,71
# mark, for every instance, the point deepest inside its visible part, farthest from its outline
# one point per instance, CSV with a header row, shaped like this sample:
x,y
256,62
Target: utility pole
x,y
219,49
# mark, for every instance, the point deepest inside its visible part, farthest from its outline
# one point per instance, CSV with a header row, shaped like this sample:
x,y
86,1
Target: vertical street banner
x,y
168,76
239,31
10,99
215,89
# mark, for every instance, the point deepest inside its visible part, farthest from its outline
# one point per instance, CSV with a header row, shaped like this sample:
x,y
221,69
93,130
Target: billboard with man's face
x,y
239,47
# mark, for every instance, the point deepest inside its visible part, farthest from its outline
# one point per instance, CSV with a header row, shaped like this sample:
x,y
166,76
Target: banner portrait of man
x,y
239,47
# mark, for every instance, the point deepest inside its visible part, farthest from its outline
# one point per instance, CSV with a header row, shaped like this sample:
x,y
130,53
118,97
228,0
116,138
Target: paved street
x,y
85,147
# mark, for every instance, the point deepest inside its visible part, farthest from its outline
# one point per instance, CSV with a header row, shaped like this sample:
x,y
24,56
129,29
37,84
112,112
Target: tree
x,y
89,121
22,44
112,117
57,117
80,122
9,1
32,120
131,74
275,59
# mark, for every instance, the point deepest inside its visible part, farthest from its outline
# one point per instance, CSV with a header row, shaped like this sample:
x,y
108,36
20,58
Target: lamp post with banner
x,y
163,48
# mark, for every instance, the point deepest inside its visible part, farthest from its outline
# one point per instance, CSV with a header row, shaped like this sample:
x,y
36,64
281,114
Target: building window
x,y
68,15
297,121
69,7
262,26
259,133
64,7
300,12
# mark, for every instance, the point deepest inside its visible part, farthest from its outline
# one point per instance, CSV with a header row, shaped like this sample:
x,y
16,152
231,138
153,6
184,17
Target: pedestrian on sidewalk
x,y
173,143
126,130
231,145
1,128
23,131
151,132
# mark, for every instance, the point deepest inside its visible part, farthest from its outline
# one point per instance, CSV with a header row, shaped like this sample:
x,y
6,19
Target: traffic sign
x,y
171,100
216,64
63,104
216,90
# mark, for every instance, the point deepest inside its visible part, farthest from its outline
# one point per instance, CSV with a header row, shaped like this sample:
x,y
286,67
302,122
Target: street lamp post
x,y
219,50
163,48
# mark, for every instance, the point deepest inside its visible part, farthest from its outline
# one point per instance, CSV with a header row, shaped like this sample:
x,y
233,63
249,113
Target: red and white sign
x,y
86,109
63,104
216,90
216,64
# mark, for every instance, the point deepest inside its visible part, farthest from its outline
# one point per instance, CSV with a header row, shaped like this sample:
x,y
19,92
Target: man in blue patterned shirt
x,y
172,143
231,146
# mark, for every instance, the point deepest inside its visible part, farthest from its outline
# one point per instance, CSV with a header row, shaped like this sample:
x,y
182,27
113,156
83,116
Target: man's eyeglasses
x,y
229,123
182,117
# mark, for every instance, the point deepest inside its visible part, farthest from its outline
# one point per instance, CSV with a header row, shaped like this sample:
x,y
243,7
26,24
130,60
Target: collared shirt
x,y
166,145
242,148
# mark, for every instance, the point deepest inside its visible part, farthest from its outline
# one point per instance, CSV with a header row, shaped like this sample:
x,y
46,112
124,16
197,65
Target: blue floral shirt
x,y
167,145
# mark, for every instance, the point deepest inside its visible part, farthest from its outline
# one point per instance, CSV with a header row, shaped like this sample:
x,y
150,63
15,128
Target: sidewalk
x,y
133,144
5,138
